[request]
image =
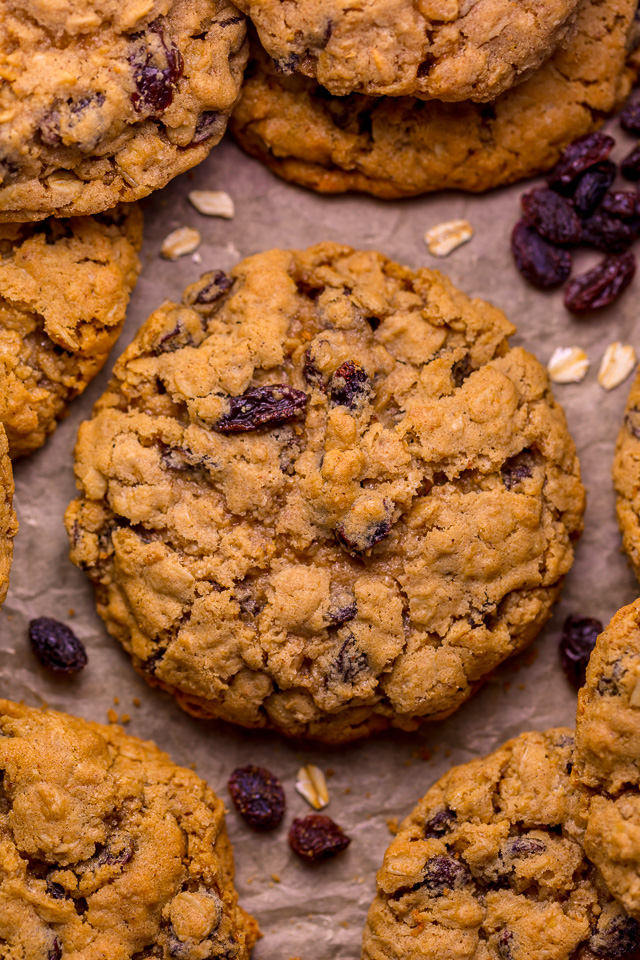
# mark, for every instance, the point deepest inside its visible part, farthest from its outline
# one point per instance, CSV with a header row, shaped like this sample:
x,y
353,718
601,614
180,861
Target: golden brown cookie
x,y
322,494
104,102
397,147
438,49
8,521
626,476
108,849
490,866
608,755
64,290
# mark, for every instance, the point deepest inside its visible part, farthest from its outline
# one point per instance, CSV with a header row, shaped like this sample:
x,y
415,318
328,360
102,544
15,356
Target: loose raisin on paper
x,y
607,233
56,646
583,153
542,264
263,406
630,116
592,187
630,166
552,215
623,204
258,796
317,837
600,286
579,635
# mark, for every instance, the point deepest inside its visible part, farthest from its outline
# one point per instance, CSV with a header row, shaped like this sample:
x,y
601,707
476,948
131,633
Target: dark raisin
x,y
209,124
583,153
607,233
632,422
504,945
156,71
440,823
623,204
517,468
310,372
264,406
317,837
578,639
339,615
601,285
619,940
215,285
350,662
258,796
350,386
287,65
539,262
56,951
55,890
56,646
592,187
552,216
461,370
630,116
367,538
610,686
630,166
444,874
523,847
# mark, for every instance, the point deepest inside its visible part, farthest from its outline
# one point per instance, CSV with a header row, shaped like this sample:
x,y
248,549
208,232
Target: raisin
x,y
523,847
623,204
55,890
601,285
607,233
578,639
610,686
365,540
630,166
592,187
339,615
350,662
258,796
504,945
444,874
440,823
55,952
350,386
287,65
517,468
317,837
209,124
310,371
552,216
157,74
620,940
539,262
56,646
630,117
461,369
581,155
263,406
632,422
215,285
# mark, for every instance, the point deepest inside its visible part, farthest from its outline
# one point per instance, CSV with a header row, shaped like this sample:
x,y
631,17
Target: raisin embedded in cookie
x,y
396,147
108,848
607,758
626,477
64,289
104,102
322,494
8,520
490,866
435,49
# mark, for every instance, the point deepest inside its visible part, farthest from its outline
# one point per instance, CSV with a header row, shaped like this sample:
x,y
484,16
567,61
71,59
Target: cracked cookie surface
x,y
8,520
396,147
322,494
490,866
104,102
438,49
108,849
64,290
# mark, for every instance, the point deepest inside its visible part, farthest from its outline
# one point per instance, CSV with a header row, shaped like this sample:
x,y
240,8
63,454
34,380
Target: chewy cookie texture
x,y
8,520
532,852
108,849
435,49
400,146
323,494
104,101
64,289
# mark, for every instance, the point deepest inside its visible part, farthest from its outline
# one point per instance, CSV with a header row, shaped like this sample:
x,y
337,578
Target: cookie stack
x,y
400,98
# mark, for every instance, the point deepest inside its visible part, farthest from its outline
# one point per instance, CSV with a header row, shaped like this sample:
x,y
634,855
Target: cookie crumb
x,y
392,825
179,243
213,203
71,612
137,702
112,716
446,237
116,701
275,877
125,718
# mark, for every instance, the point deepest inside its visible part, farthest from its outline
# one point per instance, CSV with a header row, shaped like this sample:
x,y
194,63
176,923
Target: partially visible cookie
x,y
490,866
323,494
626,477
440,49
396,147
8,521
108,849
103,102
64,290
607,757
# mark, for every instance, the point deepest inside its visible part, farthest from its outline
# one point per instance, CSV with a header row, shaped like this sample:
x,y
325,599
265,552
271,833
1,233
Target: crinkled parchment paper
x,y
316,912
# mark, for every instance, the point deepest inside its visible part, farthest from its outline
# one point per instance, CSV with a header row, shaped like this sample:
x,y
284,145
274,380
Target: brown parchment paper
x,y
317,912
